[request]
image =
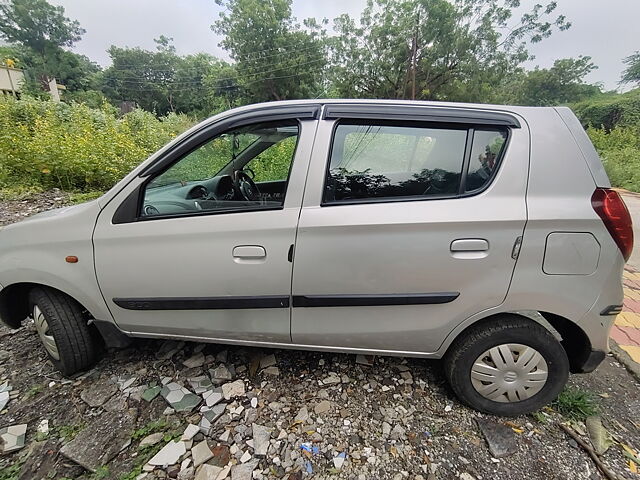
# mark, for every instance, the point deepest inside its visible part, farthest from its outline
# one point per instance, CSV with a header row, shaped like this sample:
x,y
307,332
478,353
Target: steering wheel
x,y
246,186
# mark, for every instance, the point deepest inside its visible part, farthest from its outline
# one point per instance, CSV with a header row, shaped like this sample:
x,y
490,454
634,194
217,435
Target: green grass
x,y
33,391
160,425
67,432
81,197
576,404
10,472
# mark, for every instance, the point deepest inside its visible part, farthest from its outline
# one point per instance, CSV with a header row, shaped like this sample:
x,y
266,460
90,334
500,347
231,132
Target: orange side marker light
x,y
71,259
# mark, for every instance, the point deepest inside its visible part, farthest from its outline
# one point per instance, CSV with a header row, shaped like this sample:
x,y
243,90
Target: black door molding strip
x,y
276,301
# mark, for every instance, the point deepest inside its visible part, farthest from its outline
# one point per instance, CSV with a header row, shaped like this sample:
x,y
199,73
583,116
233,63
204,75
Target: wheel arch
x,y
14,309
571,336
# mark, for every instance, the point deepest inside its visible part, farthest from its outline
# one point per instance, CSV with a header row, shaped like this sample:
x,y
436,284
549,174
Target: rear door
x,y
408,225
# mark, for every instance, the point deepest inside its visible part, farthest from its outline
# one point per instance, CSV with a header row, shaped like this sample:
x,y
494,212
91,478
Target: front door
x,y
208,252
407,229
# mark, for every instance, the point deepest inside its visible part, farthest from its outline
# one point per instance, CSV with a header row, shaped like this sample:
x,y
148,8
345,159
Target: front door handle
x,y
470,245
249,252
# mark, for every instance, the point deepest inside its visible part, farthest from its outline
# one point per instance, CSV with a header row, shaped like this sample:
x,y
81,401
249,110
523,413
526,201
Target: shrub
x,y
74,147
620,153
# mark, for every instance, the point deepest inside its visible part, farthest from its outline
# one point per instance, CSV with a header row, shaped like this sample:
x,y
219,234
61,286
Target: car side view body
x,y
485,235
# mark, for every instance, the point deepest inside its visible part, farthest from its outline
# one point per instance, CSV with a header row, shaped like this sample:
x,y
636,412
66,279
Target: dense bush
x,y
73,147
620,153
610,110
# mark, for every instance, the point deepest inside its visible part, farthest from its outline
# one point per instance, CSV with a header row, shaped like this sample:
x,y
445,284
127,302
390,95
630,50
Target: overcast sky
x,y
605,30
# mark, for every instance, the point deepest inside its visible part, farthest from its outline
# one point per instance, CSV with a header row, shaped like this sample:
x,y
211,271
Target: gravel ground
x,y
279,414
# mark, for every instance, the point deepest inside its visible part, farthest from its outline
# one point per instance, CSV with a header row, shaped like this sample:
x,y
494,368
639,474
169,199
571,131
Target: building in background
x,y
11,79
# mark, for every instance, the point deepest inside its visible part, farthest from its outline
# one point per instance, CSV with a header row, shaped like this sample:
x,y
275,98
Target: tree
x,y
142,76
434,49
41,28
275,58
631,74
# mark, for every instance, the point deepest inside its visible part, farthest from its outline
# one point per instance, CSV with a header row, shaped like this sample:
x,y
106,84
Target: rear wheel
x,y
508,366
63,330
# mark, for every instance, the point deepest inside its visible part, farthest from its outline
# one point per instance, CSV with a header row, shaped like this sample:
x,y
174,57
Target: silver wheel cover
x,y
510,372
42,326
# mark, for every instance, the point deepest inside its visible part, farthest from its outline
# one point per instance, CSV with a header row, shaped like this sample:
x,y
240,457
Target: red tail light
x,y
611,208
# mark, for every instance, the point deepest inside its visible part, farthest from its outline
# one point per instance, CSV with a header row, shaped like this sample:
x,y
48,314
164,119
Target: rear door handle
x,y
469,245
249,252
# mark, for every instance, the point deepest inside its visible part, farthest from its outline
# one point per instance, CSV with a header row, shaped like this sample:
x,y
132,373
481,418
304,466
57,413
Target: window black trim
x,y
416,198
374,300
420,113
202,135
203,303
129,210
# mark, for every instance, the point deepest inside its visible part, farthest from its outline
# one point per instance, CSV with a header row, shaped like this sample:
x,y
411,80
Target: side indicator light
x,y
71,259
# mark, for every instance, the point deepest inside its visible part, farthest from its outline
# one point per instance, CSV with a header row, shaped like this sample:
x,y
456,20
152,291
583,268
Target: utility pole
x,y
414,58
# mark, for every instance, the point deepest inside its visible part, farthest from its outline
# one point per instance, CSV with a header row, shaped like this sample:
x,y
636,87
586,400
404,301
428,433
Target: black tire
x,y
464,351
76,345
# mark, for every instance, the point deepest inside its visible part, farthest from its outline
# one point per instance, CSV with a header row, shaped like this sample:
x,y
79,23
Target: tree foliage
x,y
631,74
561,84
434,49
275,58
42,30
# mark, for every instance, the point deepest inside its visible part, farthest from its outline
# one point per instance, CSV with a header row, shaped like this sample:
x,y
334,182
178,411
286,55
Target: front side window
x,y
371,161
243,169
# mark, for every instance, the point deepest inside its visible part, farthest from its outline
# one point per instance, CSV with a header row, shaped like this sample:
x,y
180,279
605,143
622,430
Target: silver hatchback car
x,y
485,235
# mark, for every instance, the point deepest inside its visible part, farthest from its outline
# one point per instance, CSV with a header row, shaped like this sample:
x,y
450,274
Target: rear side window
x,y
370,162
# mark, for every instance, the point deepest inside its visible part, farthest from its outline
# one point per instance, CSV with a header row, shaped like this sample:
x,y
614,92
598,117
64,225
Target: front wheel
x,y
507,366
63,330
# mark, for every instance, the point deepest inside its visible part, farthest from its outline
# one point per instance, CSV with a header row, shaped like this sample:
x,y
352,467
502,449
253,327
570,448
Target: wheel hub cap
x,y
44,332
510,372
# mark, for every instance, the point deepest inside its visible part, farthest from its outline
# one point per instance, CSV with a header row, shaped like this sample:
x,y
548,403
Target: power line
x,y
255,55
139,81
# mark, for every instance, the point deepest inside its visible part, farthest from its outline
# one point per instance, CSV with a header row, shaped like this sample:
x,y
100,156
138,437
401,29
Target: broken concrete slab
x,y
208,472
4,399
168,349
274,371
12,438
233,389
500,438
323,407
151,393
200,384
101,440
152,439
221,373
125,381
201,453
366,360
268,361
180,399
98,394
189,432
196,360
261,438
244,471
169,454
213,397
209,417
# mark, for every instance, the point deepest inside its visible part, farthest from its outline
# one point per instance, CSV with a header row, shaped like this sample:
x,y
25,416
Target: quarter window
x,y
485,154
371,161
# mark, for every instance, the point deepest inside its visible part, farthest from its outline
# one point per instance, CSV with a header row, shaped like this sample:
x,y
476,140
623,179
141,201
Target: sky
x,y
606,31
